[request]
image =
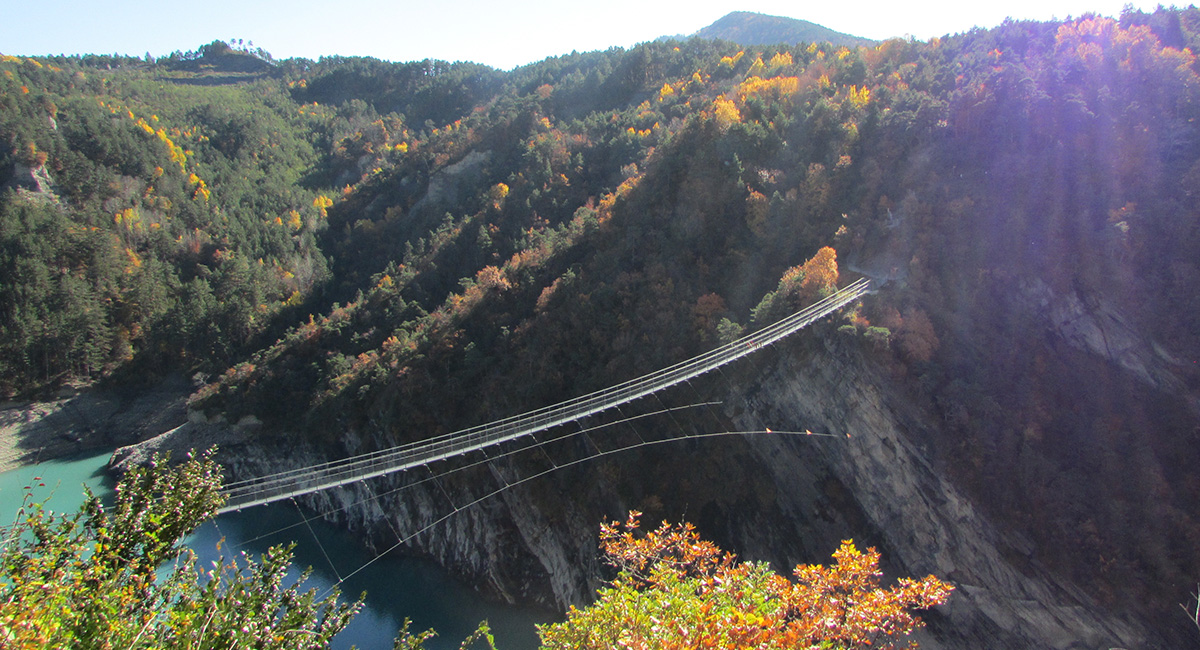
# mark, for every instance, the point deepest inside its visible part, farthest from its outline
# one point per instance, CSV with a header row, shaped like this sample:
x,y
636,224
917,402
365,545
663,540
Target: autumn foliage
x,y
675,590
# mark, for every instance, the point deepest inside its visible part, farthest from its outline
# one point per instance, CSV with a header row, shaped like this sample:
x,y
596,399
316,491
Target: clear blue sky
x,y
500,34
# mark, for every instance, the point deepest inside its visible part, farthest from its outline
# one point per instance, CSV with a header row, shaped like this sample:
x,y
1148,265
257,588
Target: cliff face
x,y
921,522
785,499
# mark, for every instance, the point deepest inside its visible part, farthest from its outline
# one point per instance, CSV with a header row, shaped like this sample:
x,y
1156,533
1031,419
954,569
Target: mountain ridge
x,y
750,28
359,254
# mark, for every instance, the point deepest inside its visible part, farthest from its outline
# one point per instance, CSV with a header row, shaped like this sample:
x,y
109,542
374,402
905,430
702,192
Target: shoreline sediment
x,y
88,420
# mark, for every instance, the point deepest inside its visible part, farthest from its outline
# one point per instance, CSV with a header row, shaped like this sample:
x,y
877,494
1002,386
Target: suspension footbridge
x,y
292,483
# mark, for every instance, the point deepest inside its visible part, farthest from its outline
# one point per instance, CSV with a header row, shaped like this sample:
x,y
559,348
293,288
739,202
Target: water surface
x,y
396,586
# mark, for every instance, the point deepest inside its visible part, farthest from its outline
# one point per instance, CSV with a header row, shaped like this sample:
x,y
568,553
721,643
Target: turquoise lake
x,y
396,586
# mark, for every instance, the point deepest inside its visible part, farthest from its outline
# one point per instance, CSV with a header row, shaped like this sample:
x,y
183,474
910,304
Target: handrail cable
x,y
538,445
282,485
577,461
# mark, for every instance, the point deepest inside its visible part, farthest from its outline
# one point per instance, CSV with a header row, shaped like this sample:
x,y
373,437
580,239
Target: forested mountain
x,y
361,253
748,28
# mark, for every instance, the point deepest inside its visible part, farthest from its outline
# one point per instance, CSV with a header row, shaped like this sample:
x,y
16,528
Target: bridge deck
x,y
275,487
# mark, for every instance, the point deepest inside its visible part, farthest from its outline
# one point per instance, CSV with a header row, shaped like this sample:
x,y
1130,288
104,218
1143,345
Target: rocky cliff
x,y
785,499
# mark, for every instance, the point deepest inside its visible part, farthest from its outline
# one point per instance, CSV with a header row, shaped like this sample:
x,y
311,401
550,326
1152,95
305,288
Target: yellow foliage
x,y
665,92
134,260
627,185
294,221
780,60
776,87
322,203
131,218
497,195
859,96
729,61
725,112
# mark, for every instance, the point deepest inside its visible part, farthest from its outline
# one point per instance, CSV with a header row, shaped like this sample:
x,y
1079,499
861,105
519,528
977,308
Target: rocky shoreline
x,y
89,419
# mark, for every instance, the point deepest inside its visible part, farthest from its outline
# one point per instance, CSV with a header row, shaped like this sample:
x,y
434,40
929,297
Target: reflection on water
x,y
396,586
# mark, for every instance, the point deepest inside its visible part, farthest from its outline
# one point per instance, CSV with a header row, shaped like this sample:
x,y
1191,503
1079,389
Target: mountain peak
x,y
750,28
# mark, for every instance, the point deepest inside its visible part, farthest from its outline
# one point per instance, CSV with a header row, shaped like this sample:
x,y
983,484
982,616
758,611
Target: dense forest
x,y
400,250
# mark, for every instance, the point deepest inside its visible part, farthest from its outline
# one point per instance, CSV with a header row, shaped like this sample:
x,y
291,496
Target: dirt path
x,y
94,419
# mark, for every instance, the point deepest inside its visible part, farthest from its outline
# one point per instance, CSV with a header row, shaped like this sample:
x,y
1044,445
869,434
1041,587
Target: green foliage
x,y
879,336
152,185
747,28
118,576
334,237
729,331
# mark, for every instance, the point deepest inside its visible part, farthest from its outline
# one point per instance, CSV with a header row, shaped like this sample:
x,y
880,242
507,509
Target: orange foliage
x,y
707,311
814,276
916,339
676,590
821,271
492,277
758,207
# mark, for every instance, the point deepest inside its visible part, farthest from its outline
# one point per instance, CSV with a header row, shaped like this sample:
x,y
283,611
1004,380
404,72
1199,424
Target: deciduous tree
x,y
675,590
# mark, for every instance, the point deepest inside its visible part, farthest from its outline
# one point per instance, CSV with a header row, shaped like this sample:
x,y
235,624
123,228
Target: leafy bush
x,y
675,590
96,579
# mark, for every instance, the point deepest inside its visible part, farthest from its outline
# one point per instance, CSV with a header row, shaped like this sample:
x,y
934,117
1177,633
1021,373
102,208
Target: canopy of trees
x,y
350,248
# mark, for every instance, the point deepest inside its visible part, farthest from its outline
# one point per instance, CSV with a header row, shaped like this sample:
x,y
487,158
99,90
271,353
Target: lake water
x,y
396,586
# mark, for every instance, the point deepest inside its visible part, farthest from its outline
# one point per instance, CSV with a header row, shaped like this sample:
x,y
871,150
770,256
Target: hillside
x,y
748,28
359,253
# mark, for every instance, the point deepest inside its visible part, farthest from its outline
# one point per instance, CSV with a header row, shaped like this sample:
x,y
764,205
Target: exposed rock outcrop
x,y
537,542
32,179
87,419
1003,600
